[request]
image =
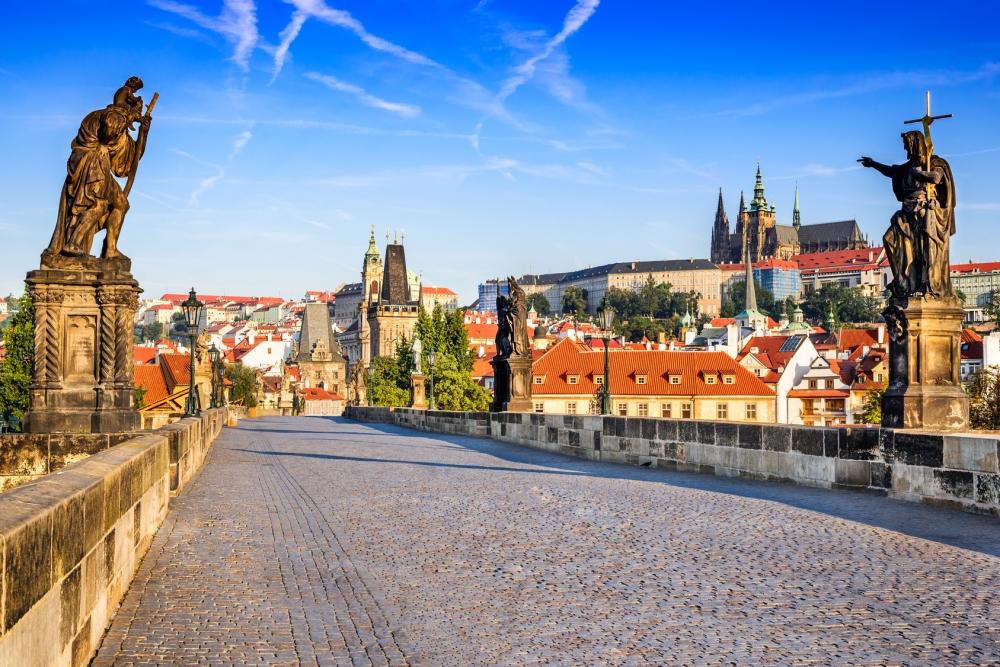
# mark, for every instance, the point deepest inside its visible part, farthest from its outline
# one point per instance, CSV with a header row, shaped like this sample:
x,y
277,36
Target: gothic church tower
x,y
720,234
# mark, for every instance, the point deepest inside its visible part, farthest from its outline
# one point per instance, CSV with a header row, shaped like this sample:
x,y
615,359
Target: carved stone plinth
x,y
512,384
417,391
82,381
924,365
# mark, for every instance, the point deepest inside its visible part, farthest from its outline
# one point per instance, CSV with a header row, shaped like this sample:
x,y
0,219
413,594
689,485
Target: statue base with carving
x,y
82,381
512,384
417,400
925,390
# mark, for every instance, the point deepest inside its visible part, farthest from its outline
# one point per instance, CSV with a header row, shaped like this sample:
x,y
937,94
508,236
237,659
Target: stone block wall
x,y
71,541
26,456
958,471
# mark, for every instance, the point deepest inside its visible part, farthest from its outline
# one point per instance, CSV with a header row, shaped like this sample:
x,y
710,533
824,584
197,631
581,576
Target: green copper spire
x,y
758,203
372,249
796,216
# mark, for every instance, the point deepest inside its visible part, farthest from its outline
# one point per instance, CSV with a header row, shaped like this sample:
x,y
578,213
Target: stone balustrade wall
x,y
71,541
954,470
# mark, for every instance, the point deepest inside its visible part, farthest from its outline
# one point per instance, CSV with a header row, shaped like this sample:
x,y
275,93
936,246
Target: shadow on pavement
x,y
957,529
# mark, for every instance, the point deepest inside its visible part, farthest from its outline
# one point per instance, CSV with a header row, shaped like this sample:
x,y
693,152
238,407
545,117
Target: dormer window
x,y
709,379
539,379
728,379
598,379
675,379
640,379
572,379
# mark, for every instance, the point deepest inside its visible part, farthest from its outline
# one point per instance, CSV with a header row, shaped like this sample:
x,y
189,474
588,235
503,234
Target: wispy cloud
x,y
404,110
574,20
220,170
237,23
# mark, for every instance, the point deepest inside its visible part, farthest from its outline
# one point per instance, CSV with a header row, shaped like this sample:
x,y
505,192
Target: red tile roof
x,y
481,331
143,354
317,394
568,358
851,339
150,378
982,267
840,259
442,291
768,351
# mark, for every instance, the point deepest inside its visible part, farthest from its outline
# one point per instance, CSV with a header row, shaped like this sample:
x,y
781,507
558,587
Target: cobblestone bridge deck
x,y
316,541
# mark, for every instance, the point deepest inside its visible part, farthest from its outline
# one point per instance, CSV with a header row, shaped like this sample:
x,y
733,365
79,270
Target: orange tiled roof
x,y
839,259
568,358
984,267
853,338
480,331
176,370
317,394
442,291
768,351
818,393
143,354
150,378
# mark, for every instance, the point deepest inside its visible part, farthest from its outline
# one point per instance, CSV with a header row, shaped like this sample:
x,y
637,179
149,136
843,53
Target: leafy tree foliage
x,y
454,388
849,304
984,399
871,412
654,309
574,300
961,295
386,386
765,299
991,308
15,369
152,332
540,303
244,389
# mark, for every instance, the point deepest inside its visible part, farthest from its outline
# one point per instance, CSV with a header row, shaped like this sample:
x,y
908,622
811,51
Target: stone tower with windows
x,y
392,315
371,283
321,362
758,221
720,234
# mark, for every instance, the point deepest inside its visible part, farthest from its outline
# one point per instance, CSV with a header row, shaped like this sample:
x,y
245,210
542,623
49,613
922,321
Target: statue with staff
x,y
917,242
92,200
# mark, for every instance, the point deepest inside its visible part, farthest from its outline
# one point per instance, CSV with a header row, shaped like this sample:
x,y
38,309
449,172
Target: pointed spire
x,y
720,234
395,239
758,202
796,215
750,304
372,247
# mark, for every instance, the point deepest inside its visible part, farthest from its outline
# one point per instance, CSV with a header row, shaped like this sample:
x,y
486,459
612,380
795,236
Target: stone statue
x,y
91,198
417,349
518,317
505,327
917,242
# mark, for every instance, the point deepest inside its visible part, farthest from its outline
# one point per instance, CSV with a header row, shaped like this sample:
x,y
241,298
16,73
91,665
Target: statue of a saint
x,y
504,327
417,349
518,316
917,242
91,198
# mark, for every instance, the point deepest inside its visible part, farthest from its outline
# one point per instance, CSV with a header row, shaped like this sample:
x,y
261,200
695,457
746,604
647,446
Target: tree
x,y
984,399
790,306
454,388
728,309
765,299
961,296
15,368
871,412
991,306
574,300
152,332
849,304
384,387
539,303
244,379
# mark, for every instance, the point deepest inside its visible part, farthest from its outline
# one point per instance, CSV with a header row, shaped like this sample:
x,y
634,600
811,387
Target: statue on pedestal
x,y
83,376
512,364
923,315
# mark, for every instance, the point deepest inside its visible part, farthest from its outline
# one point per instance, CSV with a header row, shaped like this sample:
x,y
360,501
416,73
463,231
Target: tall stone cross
x,y
926,121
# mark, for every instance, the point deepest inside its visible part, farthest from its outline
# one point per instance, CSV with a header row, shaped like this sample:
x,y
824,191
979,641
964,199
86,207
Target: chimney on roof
x,y
251,337
864,351
661,337
881,334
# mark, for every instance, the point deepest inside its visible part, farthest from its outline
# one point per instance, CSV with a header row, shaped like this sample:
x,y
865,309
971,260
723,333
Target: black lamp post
x,y
432,357
192,315
213,357
607,321
370,374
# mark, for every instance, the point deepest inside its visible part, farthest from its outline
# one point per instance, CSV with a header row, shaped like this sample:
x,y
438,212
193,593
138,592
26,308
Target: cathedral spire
x,y
720,234
751,295
796,216
758,202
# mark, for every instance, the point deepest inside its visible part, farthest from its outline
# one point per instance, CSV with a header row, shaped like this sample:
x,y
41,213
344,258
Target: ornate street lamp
x,y
432,357
607,321
370,374
213,357
192,315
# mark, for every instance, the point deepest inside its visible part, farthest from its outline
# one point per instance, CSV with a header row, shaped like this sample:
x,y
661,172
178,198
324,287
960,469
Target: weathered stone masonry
x,y
70,541
957,471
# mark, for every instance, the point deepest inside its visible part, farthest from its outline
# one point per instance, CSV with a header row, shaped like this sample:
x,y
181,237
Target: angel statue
x,y
917,242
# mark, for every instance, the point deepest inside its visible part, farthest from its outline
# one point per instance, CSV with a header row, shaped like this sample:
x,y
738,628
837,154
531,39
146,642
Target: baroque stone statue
x,y
917,242
512,364
91,199
923,316
417,349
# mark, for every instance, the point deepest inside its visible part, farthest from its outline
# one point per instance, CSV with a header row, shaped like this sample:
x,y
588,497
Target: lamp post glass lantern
x,y
213,357
432,356
607,321
192,315
370,374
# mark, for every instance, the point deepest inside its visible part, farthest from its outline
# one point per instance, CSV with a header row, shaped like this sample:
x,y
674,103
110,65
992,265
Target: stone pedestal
x,y
925,389
82,381
417,391
512,384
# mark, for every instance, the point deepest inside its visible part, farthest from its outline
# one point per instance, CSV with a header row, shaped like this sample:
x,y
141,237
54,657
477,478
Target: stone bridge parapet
x,y
953,470
71,541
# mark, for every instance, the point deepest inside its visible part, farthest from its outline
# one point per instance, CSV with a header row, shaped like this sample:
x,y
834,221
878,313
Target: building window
x,y
878,377
829,384
319,374
812,384
538,379
835,404
622,409
728,379
640,379
722,411
573,379
685,411
539,407
268,351
571,408
709,379
807,406
598,379
751,412
644,409
665,410
675,379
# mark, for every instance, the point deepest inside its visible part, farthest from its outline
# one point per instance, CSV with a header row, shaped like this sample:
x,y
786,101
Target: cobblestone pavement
x,y
311,541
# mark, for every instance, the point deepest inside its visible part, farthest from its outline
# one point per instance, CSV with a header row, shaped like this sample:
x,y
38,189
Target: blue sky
x,y
501,136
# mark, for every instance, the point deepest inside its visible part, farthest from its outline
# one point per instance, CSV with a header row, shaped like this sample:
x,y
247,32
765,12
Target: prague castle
x,y
757,233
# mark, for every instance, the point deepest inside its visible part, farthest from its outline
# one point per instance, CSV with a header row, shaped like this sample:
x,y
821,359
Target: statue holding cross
x,y
918,239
